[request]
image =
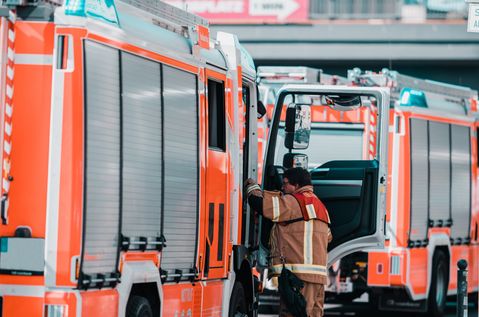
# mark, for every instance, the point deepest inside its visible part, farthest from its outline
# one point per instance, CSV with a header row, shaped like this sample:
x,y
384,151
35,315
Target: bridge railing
x,y
387,9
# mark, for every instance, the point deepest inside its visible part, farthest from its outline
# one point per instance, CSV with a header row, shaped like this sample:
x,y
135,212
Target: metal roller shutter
x,y
419,180
102,165
440,172
142,157
181,170
461,182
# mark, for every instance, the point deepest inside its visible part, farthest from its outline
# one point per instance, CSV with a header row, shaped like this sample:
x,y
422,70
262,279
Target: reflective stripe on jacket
x,y
303,243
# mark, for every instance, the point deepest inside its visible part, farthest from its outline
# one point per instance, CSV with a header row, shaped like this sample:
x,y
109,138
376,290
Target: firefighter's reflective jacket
x,y
302,223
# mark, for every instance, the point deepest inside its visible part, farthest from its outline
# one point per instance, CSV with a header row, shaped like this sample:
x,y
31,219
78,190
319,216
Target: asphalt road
x,y
361,309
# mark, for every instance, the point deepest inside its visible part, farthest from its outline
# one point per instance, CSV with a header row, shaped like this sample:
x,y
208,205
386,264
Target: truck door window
x,y
346,139
216,115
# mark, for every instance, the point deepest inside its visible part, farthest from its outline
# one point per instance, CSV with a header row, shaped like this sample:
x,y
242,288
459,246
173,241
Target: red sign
x,y
203,36
247,11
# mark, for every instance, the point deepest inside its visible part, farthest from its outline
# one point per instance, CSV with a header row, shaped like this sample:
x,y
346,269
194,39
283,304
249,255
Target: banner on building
x,y
247,11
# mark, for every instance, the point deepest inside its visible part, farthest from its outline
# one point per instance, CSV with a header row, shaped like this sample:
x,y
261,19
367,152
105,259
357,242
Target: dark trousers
x,y
314,295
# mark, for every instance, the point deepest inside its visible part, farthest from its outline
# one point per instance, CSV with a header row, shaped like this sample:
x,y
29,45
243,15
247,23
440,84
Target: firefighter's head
x,y
295,178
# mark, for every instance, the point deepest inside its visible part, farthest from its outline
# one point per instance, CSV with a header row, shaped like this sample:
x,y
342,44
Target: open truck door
x,y
353,191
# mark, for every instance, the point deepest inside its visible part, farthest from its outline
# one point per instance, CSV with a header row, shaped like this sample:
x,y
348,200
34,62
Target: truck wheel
x,y
138,306
238,306
473,298
373,301
439,284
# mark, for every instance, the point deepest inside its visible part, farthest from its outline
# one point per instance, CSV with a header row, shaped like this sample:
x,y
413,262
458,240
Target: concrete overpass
x,y
436,49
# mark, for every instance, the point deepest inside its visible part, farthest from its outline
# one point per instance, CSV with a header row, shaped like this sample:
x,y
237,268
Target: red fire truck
x,y
432,156
124,150
432,214
127,134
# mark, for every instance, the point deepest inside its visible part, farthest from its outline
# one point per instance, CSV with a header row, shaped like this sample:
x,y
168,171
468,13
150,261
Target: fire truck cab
x,y
354,191
432,217
126,135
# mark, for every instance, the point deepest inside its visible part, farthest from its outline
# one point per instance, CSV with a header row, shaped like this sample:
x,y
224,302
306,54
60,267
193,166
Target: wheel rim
x,y
440,286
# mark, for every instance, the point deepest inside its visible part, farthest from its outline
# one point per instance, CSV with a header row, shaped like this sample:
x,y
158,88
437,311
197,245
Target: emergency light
x,y
412,98
99,9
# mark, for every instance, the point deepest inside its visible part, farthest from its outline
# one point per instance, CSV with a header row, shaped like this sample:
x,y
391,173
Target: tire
x,y
373,301
439,284
238,306
138,306
473,298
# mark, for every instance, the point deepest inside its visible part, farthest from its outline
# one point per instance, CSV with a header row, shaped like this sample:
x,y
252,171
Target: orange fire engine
x,y
432,214
127,136
331,129
354,190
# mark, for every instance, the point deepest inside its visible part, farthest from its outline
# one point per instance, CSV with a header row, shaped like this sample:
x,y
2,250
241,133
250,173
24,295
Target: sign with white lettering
x,y
473,18
247,11
278,8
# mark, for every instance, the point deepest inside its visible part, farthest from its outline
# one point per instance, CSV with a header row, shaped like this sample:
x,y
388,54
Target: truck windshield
x,y
345,138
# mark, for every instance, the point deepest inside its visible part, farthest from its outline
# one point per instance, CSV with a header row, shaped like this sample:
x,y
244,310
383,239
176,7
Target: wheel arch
x,y
140,278
437,242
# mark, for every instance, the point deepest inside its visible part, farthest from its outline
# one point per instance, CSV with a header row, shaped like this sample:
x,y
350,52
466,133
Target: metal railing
x,y
445,9
387,9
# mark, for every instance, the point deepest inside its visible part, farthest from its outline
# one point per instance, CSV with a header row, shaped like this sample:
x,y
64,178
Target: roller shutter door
x,y
440,172
461,182
102,165
181,170
419,180
142,149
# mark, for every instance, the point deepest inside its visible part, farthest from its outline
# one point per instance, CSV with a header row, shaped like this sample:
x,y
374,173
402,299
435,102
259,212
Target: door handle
x,y
4,208
320,171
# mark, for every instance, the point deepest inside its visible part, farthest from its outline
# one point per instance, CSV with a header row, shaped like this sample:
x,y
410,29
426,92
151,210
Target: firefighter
x,y
300,235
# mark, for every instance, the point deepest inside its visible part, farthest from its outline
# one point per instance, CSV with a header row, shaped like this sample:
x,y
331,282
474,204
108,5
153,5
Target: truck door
x,y
216,177
354,191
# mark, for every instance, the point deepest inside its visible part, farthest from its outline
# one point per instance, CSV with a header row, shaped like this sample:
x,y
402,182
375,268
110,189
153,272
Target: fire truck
x,y
432,215
401,276
354,191
126,134
330,129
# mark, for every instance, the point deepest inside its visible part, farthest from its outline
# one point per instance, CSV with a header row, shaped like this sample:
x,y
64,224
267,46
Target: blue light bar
x,y
412,98
75,7
104,10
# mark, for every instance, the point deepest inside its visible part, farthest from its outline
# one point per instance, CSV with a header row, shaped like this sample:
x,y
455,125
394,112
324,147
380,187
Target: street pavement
x,y
361,309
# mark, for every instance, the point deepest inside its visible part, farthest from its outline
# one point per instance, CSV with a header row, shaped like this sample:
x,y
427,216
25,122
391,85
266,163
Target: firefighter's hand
x,y
249,182
249,186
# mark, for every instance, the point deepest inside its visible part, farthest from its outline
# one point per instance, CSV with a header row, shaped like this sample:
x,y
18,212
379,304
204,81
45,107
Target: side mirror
x,y
343,102
298,126
291,160
261,109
